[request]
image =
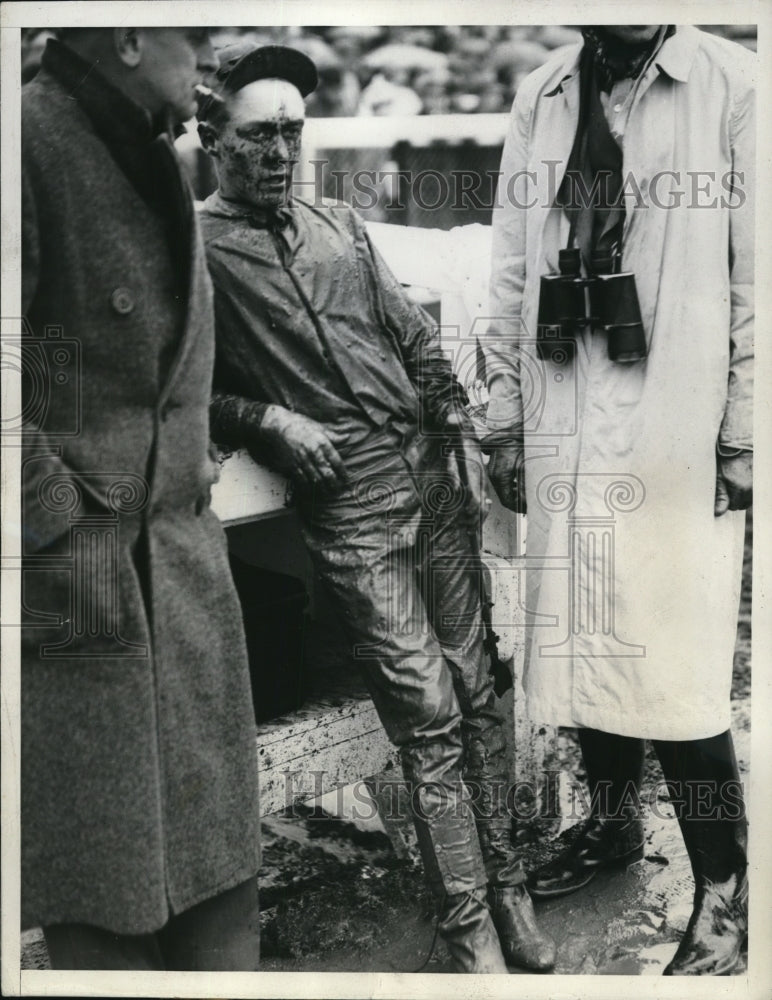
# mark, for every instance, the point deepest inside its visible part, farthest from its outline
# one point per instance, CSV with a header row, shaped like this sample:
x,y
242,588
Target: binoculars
x,y
607,300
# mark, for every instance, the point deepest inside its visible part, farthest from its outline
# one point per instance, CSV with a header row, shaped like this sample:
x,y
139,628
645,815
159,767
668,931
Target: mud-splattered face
x,y
257,148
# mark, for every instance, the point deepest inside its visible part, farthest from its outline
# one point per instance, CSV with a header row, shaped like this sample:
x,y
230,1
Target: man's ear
x,y
209,135
128,46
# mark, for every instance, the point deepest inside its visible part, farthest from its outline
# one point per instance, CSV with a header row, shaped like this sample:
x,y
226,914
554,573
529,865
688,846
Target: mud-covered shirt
x,y
309,317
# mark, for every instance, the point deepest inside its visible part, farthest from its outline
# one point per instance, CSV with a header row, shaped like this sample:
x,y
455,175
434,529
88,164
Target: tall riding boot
x,y
613,834
485,771
707,795
450,850
467,929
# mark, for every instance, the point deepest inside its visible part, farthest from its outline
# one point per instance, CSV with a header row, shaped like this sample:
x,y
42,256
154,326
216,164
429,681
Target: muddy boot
x,y
613,835
716,932
717,846
522,942
450,850
467,929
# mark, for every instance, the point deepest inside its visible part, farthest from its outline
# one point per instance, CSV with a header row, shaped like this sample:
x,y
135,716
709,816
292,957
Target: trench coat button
x,y
122,301
200,504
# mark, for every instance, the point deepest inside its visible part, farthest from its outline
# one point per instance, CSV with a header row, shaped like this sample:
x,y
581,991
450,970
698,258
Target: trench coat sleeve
x,y
418,341
42,523
505,407
737,425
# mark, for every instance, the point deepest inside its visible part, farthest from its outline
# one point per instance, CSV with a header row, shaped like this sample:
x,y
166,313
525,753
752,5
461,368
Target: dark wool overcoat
x,y
139,768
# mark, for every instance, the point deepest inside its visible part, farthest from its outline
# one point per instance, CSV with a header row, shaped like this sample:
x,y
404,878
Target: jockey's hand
x,y
302,449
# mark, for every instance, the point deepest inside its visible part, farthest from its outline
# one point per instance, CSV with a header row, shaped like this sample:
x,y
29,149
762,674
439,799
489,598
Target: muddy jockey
x,y
326,370
643,426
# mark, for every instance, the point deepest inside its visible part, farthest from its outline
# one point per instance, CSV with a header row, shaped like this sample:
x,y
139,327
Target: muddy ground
x,y
335,897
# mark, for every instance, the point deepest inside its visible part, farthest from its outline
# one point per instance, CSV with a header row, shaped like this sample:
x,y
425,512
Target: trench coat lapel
x,y
567,94
649,149
668,70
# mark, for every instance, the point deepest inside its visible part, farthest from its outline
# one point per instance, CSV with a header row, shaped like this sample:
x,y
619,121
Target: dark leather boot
x,y
450,850
485,763
602,844
716,932
613,835
716,842
522,941
467,929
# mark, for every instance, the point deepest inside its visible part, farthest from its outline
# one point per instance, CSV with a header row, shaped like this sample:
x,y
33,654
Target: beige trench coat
x,y
632,583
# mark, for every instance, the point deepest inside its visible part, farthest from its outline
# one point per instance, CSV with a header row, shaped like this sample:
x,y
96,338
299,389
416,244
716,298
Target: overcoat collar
x,y
143,150
115,116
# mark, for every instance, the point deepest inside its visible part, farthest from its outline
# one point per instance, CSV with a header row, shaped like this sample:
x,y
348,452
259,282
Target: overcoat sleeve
x,y
505,408
737,425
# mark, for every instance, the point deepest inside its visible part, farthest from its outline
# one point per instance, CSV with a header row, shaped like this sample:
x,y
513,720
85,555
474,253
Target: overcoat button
x,y
200,504
122,301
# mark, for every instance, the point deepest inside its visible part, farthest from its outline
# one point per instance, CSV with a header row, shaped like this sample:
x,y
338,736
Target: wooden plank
x,y
334,739
336,692
248,491
331,729
326,768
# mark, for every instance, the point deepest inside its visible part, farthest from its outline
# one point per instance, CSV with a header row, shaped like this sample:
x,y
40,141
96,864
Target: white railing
x,y
385,132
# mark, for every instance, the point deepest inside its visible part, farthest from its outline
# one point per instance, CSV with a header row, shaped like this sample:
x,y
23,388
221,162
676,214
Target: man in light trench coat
x,y
634,473
139,759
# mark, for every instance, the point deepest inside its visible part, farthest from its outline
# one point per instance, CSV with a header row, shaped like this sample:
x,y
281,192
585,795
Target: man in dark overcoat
x,y
139,782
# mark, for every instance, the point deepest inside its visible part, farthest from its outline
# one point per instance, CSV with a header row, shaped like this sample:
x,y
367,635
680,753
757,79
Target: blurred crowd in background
x,y
406,70
399,72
